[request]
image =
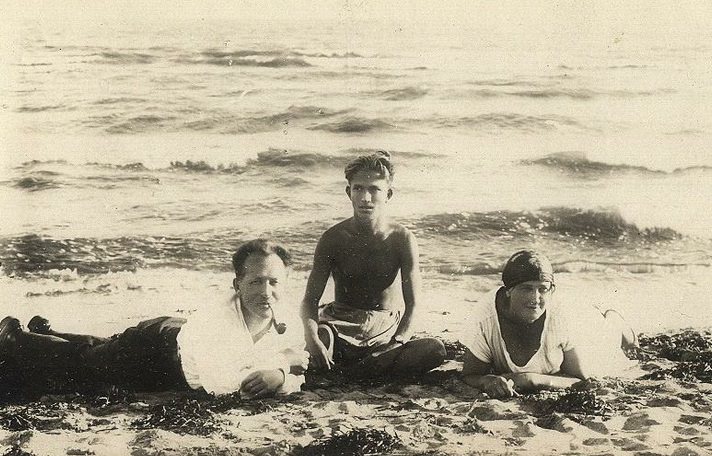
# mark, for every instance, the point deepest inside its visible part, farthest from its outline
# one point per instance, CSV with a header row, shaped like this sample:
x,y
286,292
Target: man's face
x,y
527,301
369,193
260,287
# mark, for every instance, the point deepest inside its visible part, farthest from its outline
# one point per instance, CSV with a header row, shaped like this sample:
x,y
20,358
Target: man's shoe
x,y
9,329
39,325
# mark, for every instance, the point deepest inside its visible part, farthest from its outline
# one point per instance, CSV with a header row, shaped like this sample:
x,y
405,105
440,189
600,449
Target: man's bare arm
x,y
411,283
310,304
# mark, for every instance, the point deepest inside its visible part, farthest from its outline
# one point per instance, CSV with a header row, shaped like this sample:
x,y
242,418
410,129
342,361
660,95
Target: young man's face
x,y
369,192
260,288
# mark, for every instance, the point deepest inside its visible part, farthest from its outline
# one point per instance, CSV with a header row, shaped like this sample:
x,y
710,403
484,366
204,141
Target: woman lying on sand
x,y
523,341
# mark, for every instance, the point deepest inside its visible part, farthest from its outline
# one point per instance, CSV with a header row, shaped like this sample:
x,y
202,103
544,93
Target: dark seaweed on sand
x,y
584,402
187,417
17,420
676,347
196,415
112,395
699,370
34,416
16,451
580,399
356,442
691,350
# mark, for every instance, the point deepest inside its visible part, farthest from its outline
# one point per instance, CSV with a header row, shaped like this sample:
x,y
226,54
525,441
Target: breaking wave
x,y
563,222
353,125
126,58
406,93
36,254
40,108
215,121
576,163
36,183
140,123
508,121
602,238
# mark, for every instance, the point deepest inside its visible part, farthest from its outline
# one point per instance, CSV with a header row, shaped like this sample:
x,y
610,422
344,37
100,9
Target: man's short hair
x,y
378,162
260,246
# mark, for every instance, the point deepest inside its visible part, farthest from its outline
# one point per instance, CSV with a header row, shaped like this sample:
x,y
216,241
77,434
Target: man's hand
x,y
497,386
261,383
319,354
298,360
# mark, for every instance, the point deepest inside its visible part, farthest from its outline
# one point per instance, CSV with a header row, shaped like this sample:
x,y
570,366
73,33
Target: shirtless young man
x,y
366,329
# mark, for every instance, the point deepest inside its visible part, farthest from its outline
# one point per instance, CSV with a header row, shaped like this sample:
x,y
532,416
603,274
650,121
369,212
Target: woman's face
x,y
527,300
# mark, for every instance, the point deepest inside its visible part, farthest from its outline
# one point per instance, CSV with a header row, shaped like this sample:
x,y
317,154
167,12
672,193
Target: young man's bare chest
x,y
367,258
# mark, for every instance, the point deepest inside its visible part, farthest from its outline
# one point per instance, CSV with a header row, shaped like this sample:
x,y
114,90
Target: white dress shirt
x,y
217,351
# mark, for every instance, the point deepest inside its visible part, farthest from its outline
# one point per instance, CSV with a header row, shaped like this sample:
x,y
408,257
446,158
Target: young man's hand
x,y
262,383
298,360
319,354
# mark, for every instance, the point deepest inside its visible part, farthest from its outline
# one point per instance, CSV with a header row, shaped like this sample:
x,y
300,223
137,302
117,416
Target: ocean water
x,y
137,156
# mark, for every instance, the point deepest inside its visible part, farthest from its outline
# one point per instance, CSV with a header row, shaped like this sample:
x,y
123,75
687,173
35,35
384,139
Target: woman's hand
x,y
523,381
532,381
497,386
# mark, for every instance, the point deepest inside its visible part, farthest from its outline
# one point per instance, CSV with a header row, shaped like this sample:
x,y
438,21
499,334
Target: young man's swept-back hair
x,y
378,162
261,247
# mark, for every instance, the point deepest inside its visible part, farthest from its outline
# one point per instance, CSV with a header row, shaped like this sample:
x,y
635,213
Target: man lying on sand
x,y
522,341
366,329
234,346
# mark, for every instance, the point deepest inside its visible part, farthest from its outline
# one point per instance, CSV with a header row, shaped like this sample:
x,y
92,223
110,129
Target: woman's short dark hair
x,y
527,265
260,246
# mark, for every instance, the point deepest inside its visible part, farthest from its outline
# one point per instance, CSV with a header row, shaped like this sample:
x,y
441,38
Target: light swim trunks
x,y
359,331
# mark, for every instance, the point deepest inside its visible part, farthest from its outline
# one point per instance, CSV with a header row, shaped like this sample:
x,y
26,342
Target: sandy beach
x,y
666,412
142,142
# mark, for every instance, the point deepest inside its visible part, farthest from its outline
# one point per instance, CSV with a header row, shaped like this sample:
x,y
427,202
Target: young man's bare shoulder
x,y
401,232
338,232
402,237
